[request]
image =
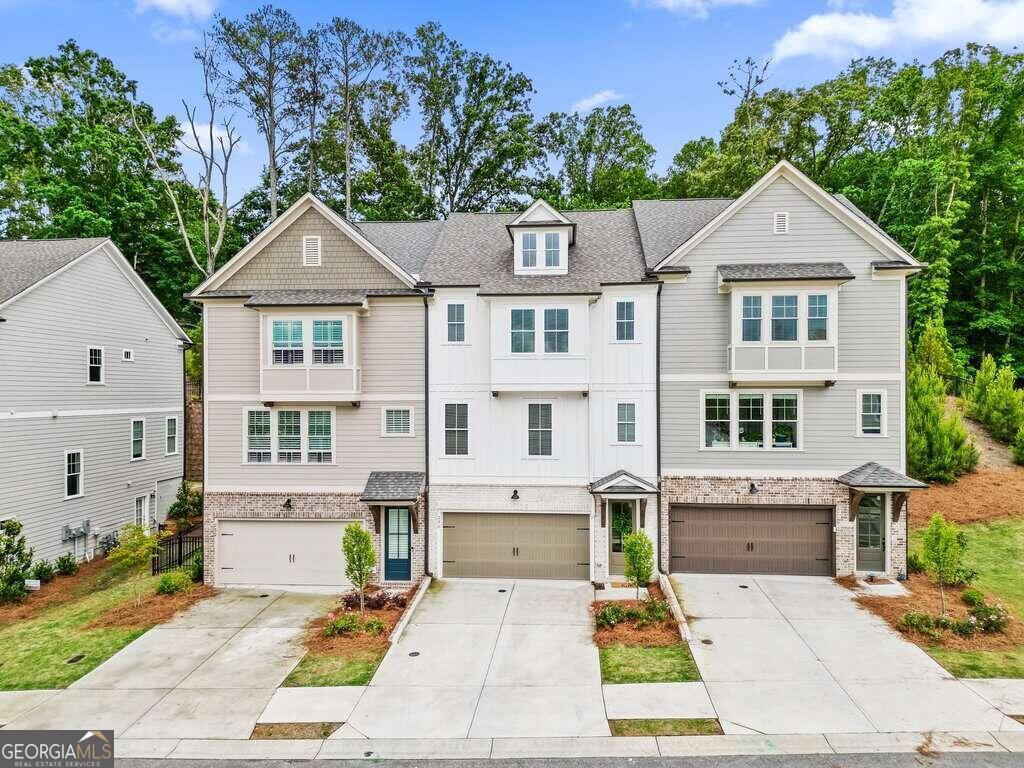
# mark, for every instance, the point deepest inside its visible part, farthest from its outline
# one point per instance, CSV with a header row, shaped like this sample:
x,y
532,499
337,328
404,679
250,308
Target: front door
x,y
397,564
871,533
621,525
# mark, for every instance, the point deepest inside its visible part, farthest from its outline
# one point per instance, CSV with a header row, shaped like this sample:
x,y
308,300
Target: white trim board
x,y
57,413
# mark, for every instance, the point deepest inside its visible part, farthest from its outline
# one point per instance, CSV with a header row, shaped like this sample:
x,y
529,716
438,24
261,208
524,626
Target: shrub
x,y
15,562
978,396
608,615
377,601
943,551
44,571
990,617
173,582
373,626
973,597
345,624
187,504
399,600
135,551
1018,446
638,557
938,447
914,563
1005,406
656,611
918,621
360,558
66,564
965,627
194,566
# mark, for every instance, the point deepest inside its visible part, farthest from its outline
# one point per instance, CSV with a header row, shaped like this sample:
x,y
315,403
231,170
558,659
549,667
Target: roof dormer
x,y
541,237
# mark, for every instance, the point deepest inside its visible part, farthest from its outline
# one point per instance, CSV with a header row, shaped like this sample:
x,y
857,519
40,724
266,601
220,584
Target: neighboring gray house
x,y
91,394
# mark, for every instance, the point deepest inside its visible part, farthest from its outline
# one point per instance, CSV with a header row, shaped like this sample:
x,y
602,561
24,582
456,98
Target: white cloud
x,y
190,10
188,141
168,33
840,35
595,100
697,8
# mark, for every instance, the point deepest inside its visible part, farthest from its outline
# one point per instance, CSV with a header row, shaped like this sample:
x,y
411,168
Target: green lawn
x,y
996,551
34,652
694,727
633,664
316,671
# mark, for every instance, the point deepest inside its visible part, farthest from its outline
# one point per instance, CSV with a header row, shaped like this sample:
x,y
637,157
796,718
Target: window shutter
x,y
780,222
311,251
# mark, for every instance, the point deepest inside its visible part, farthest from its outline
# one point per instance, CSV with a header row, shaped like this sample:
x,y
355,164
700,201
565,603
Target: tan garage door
x,y
522,546
756,539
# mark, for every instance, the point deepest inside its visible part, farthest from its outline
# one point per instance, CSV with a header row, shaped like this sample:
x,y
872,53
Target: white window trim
x,y
348,346
465,324
127,355
538,319
541,331
384,419
303,434
554,456
734,413
103,366
469,431
81,473
131,439
858,425
245,437
636,422
145,511
801,340
562,268
615,321
538,332
319,251
544,249
177,435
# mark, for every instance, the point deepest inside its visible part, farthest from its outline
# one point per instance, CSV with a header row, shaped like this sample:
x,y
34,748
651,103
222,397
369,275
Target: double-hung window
x,y
523,331
556,330
171,435
258,436
138,439
784,421
529,249
456,429
539,429
717,421
287,342
142,511
95,365
625,422
552,249
751,421
73,486
784,318
817,317
871,415
456,323
397,422
751,318
625,320
289,437
319,437
328,344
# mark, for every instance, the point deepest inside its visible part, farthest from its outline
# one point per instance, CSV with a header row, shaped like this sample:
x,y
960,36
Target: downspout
x,y
426,435
906,432
657,409
183,437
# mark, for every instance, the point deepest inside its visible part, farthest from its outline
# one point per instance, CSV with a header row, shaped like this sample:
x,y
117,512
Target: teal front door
x,y
397,563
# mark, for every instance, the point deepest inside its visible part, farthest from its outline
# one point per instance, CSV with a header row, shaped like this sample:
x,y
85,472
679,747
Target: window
x,y
556,330
784,314
817,317
529,249
72,474
287,342
397,422
751,421
780,223
258,437
328,348
95,365
128,355
717,423
784,421
319,437
552,249
625,422
171,435
456,429
289,437
871,413
522,331
625,320
311,251
456,323
751,318
142,511
138,439
539,429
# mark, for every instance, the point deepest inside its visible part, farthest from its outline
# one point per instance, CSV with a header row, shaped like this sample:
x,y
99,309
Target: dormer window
x,y
541,240
529,249
552,249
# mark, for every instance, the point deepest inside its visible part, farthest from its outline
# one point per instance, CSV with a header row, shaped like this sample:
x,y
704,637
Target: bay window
x,y
751,318
287,342
784,318
328,345
817,317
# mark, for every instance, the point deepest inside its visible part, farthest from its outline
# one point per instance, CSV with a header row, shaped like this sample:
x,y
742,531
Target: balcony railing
x,y
782,362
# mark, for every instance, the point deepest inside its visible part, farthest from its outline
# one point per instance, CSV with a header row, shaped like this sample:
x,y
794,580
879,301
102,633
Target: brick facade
x,y
774,490
305,506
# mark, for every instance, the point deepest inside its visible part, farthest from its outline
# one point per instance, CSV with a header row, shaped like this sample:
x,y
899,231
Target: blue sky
x,y
662,56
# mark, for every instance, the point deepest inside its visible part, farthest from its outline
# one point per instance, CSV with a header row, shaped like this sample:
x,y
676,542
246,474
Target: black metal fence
x,y
174,551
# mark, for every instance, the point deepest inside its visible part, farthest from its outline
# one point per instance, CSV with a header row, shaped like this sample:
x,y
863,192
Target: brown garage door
x,y
756,539
490,544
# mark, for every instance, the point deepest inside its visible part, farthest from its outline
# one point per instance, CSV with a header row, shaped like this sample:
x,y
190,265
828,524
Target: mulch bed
x,y
294,730
924,596
62,589
155,609
977,497
357,641
626,633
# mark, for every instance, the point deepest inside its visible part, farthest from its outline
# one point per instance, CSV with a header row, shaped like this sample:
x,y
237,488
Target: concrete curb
x,y
673,604
410,610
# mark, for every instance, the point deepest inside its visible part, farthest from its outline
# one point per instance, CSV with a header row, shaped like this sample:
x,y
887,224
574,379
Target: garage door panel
x,y
279,552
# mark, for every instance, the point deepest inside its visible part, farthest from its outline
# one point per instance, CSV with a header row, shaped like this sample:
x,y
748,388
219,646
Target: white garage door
x,y
281,553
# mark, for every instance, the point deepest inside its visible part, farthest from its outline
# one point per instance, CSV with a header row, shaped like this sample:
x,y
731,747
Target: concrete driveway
x,y
208,673
794,654
488,658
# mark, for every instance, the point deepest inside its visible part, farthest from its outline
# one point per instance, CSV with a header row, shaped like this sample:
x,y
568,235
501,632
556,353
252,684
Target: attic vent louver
x,y
311,251
780,222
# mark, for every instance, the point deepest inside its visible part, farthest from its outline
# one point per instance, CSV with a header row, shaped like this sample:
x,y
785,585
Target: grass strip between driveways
x,y
638,664
355,667
664,727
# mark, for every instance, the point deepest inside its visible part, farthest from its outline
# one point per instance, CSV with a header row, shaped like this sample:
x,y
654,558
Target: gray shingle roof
x,y
474,249
405,242
393,486
24,263
872,475
636,484
666,224
312,296
825,270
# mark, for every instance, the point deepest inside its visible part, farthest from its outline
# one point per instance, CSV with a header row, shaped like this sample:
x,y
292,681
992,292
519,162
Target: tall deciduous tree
x,y
311,76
